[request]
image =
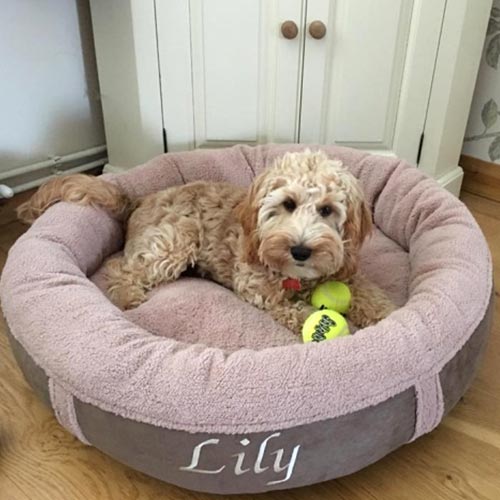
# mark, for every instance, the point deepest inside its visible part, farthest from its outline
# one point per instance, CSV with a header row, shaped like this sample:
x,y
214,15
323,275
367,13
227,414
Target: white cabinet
x,y
371,74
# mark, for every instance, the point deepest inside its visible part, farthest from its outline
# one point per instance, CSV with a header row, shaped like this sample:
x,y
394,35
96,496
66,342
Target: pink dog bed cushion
x,y
201,389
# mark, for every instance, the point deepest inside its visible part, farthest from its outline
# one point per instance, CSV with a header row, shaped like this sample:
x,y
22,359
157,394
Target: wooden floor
x,y
459,460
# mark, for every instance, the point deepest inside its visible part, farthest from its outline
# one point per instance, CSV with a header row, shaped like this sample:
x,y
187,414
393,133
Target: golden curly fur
x,y
79,188
303,218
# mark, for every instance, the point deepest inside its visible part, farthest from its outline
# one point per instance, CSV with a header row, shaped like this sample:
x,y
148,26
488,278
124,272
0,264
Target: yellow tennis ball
x,y
332,295
324,325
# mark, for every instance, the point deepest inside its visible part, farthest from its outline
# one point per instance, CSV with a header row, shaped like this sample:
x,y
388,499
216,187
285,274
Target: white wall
x,y
482,137
49,96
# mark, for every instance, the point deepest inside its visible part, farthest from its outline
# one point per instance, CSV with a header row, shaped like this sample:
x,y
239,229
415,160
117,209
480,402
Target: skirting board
x,y
113,169
452,180
481,177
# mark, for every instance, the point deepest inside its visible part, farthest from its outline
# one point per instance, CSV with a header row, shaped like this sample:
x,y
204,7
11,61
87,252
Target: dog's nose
x,y
300,252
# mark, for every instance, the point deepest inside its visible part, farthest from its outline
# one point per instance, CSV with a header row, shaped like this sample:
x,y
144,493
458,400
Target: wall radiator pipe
x,y
5,191
52,162
57,165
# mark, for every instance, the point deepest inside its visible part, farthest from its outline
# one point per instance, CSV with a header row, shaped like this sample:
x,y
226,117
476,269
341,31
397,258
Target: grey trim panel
x,y
324,450
34,375
458,373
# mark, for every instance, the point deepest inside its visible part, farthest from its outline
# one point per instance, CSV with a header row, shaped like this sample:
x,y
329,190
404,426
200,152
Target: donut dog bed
x,y
202,390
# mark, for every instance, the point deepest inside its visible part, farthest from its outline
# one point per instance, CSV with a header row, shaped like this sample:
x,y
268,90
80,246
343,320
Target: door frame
x,y
127,66
457,65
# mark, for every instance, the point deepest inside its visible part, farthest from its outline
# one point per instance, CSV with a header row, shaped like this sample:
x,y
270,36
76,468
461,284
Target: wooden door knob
x,y
317,29
289,30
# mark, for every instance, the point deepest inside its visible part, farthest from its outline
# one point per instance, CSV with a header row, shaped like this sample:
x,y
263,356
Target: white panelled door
x,y
227,73
366,82
357,73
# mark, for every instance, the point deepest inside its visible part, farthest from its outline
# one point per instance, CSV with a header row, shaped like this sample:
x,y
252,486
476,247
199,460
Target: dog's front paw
x,y
292,316
126,297
303,312
368,314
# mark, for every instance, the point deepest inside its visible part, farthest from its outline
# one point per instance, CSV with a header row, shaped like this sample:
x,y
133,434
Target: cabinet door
x,y
227,73
367,81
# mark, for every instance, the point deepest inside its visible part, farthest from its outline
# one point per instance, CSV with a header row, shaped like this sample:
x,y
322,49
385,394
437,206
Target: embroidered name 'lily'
x,y
239,465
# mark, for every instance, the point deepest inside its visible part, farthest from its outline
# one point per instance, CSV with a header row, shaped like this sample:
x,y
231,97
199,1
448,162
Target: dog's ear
x,y
357,227
247,212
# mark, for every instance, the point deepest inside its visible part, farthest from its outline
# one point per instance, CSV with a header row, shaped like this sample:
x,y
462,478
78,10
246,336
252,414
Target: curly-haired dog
x,y
301,222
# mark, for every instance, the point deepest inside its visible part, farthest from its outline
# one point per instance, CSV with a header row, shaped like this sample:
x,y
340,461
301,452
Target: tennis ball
x,y
332,295
324,325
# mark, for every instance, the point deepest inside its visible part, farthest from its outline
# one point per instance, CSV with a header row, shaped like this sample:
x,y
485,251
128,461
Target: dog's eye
x,y
325,211
289,205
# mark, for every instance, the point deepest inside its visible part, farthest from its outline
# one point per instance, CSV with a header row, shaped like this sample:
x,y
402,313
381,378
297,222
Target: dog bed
x,y
202,390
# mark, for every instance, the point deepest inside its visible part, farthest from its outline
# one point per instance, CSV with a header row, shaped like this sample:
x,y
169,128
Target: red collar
x,y
291,284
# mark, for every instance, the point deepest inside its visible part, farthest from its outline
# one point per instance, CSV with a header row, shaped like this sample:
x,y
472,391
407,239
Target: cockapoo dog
x,y
301,222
